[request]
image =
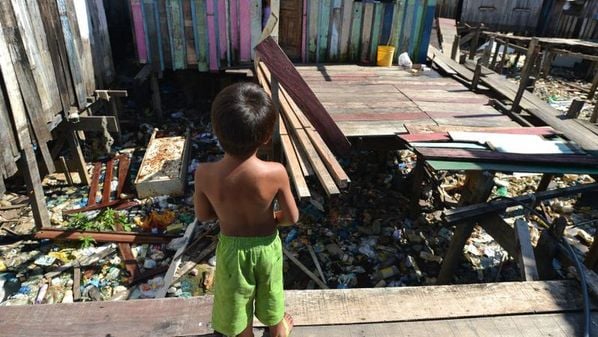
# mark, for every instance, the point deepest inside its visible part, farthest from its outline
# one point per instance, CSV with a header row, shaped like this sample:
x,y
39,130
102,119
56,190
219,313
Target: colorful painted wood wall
x,y
350,31
210,35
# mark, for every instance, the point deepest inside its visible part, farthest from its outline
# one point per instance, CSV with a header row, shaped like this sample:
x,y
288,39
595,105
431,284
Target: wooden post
x,y
525,251
547,63
455,48
476,75
575,108
488,51
478,187
276,141
594,86
474,43
34,187
525,73
516,61
156,101
73,141
503,59
594,116
544,182
65,169
417,179
495,56
547,249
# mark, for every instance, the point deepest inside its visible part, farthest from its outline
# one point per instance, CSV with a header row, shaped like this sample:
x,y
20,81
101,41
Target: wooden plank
x,y
153,34
176,32
176,260
198,12
345,31
461,155
323,31
355,41
138,27
93,186
245,31
293,166
282,68
57,50
223,37
34,40
478,186
335,27
164,34
366,32
108,181
114,236
73,52
191,56
255,10
304,269
10,151
530,58
82,21
180,316
525,251
376,31
212,35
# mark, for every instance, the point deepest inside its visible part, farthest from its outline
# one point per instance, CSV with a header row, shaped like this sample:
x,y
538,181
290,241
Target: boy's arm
x,y
203,208
288,214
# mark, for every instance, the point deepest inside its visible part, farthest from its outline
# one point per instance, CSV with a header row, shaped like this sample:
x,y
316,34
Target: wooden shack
x,y
54,54
570,19
211,35
512,15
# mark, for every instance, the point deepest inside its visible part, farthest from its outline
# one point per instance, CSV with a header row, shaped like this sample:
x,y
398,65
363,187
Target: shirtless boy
x,y
239,191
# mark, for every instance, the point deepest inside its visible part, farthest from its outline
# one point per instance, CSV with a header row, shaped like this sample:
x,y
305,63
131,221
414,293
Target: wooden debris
x,y
115,236
525,251
304,269
316,262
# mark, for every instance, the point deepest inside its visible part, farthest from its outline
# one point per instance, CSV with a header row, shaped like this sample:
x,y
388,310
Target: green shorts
x,y
247,269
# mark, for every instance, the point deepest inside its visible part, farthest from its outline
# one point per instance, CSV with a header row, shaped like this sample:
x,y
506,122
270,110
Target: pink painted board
x,y
212,43
304,32
234,28
245,30
222,18
139,31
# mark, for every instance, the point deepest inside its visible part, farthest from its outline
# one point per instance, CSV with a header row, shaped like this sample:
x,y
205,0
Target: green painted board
x,y
355,30
176,30
255,9
407,26
416,29
376,29
335,28
200,33
471,166
323,28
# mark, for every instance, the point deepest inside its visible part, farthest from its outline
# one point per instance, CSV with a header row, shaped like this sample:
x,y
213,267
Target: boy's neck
x,y
238,160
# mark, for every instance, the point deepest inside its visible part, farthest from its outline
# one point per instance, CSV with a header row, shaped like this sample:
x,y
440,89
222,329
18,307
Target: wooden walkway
x,y
381,101
499,309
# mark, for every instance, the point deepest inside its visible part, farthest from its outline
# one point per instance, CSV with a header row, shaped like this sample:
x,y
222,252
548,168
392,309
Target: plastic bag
x,y
405,61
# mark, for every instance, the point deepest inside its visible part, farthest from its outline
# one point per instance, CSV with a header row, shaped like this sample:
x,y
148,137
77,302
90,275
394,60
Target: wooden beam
x,y
530,58
474,43
81,165
502,157
318,308
594,117
525,251
455,47
476,210
593,87
304,269
476,76
282,68
115,236
34,188
94,123
65,169
176,260
478,186
487,52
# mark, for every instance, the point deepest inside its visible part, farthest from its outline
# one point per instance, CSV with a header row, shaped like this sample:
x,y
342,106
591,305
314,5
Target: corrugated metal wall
x,y
580,21
215,34
509,15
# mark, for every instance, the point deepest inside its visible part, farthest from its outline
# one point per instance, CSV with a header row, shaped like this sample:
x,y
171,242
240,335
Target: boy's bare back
x,y
240,193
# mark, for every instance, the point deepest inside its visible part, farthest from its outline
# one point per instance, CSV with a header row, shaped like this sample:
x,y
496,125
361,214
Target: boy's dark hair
x,y
243,118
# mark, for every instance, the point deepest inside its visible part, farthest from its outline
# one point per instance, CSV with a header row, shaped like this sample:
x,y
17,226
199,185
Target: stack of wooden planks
x,y
305,152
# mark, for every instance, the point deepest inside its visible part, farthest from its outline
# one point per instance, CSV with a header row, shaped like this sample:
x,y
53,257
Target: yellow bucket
x,y
385,54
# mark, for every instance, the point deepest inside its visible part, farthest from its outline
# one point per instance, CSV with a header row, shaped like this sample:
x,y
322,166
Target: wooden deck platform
x,y
499,309
381,101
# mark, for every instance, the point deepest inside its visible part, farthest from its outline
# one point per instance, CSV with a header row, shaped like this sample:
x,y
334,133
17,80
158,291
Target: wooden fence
x,y
53,55
579,21
216,34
